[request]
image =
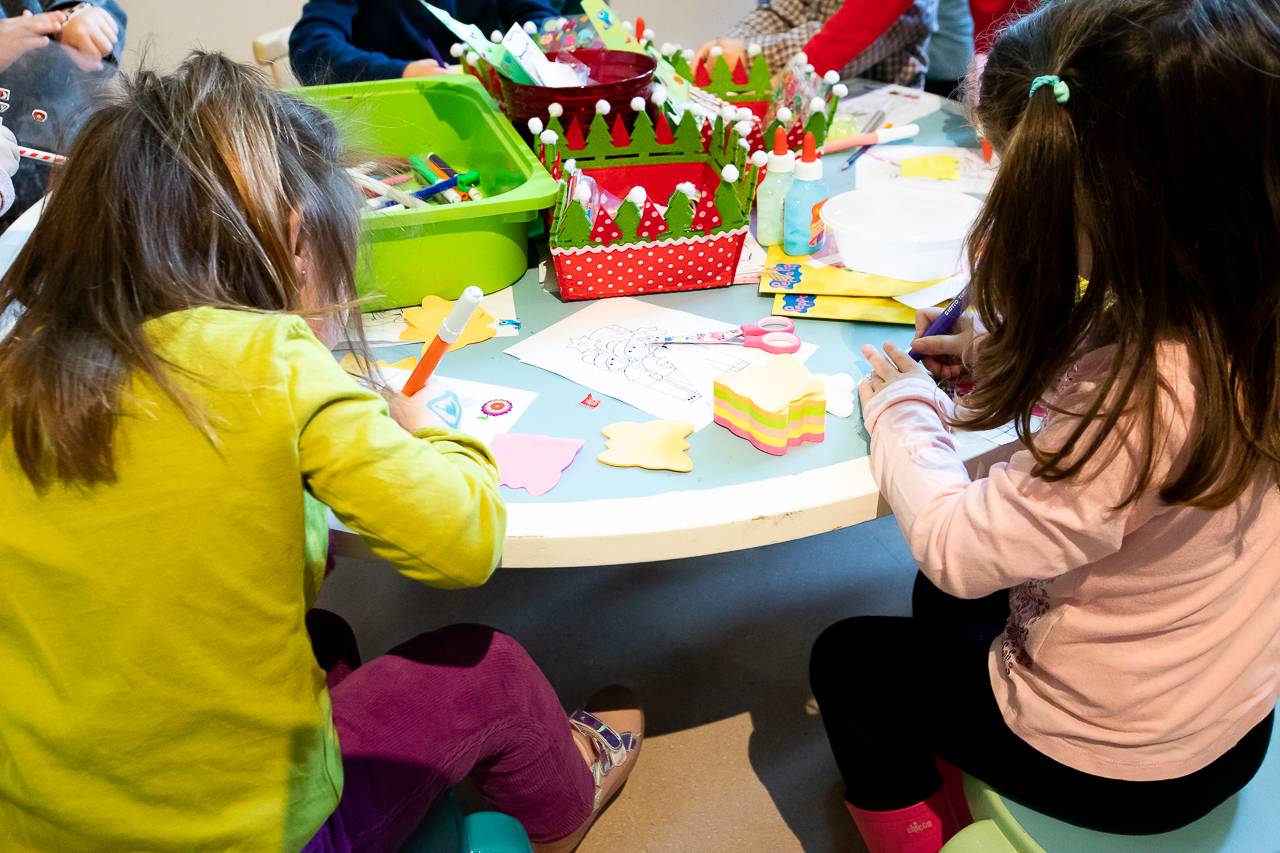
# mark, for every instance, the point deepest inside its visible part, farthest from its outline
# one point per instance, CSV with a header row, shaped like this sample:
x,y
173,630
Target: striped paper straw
x,y
42,156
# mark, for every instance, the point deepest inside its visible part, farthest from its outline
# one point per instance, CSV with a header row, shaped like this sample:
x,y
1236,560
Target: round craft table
x,y
736,496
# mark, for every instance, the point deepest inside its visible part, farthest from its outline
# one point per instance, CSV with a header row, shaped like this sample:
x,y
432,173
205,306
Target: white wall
x,y
166,29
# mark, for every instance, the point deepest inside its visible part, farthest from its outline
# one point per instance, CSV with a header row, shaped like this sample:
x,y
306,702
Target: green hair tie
x,y
1061,91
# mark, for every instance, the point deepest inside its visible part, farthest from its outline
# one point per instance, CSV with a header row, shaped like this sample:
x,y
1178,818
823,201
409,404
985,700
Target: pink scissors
x,y
775,335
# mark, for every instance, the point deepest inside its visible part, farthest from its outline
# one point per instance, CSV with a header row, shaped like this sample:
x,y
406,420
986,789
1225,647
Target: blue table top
x,y
720,458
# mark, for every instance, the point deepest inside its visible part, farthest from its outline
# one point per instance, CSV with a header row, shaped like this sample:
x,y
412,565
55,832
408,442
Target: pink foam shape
x,y
533,462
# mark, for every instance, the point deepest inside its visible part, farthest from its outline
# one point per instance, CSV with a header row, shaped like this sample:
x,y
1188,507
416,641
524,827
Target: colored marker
x,y
380,189
986,150
879,137
41,156
450,331
873,124
434,167
944,322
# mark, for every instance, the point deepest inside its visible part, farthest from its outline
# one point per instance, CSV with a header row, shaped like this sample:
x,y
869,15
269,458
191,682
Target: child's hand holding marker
x,y
412,413
886,368
945,355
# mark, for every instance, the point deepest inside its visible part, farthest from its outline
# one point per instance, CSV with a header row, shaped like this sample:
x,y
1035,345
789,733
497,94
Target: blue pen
x,y
944,322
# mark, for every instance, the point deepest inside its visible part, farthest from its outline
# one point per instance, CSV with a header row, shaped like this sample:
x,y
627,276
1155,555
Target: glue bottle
x,y
773,191
802,220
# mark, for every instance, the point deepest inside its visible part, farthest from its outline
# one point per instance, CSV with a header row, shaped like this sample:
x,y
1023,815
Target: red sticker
x,y
590,402
39,115
4,94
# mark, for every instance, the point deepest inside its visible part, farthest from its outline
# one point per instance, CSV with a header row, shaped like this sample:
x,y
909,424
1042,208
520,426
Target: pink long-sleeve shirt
x,y
1143,642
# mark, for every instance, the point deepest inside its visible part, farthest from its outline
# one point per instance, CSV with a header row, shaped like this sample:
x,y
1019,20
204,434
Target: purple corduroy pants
x,y
461,701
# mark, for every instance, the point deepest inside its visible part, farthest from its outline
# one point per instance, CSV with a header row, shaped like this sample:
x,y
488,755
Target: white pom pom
x,y
649,33
688,55
743,128
729,173
746,145
496,36
688,189
472,57
548,137
817,105
637,104
801,58
784,115
744,114
637,196
760,159
530,27
628,26
666,48
753,50
840,90
554,109
729,113
808,68
659,95
602,107
831,78
717,50
571,165
456,50
535,125
583,192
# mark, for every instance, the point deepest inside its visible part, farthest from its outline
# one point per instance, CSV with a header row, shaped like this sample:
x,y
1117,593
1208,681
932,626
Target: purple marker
x,y
944,322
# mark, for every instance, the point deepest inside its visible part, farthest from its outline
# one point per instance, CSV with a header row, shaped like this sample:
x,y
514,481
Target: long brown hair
x,y
183,191
1162,166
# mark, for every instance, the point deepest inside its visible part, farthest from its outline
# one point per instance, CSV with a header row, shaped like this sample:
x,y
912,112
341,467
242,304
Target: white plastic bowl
x,y
902,233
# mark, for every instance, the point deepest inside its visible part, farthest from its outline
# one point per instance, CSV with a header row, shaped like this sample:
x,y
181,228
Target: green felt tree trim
x,y
643,139
679,214
553,124
721,76
599,138
682,68
575,228
761,80
627,219
727,204
688,137
769,131
818,127
561,197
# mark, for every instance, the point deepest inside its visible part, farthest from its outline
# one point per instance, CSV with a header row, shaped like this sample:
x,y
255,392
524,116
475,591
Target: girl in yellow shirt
x,y
170,428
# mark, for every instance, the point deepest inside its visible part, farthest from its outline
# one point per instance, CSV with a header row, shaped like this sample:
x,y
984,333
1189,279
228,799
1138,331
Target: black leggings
x,y
895,692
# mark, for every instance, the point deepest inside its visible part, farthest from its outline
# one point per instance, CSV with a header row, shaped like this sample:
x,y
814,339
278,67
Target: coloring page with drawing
x,y
939,169
604,347
476,408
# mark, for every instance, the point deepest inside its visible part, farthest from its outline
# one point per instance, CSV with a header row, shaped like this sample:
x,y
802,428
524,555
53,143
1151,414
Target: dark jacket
x,y
342,41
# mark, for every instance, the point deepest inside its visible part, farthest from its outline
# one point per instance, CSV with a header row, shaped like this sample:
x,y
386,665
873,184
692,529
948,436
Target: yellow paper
x,y
868,309
937,167
424,322
785,273
356,366
656,445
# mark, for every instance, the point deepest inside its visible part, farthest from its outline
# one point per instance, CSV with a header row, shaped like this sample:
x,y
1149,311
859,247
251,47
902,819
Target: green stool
x,y
1249,822
447,830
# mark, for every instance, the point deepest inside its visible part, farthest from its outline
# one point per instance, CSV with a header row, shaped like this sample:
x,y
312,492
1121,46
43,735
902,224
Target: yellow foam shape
x,y
936,167
776,384
424,322
656,445
357,367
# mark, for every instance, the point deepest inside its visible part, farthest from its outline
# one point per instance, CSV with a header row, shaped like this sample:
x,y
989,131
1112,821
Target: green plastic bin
x,y
440,249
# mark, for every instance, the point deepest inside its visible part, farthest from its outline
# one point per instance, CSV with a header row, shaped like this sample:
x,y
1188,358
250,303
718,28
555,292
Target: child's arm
x,y
320,48
974,538
851,30
427,503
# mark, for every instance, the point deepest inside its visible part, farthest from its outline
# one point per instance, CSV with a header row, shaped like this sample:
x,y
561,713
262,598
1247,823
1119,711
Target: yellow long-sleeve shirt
x,y
157,685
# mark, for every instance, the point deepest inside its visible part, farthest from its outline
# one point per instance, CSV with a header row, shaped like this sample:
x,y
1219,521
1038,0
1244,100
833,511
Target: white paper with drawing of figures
x,y
604,347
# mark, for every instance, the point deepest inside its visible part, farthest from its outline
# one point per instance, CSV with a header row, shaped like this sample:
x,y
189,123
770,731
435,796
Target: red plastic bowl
x,y
620,74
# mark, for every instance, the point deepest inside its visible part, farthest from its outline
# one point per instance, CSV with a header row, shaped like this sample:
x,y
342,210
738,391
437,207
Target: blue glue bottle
x,y
801,213
772,192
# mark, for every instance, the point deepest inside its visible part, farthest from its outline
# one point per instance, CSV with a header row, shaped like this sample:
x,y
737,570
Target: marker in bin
x,y
945,322
450,330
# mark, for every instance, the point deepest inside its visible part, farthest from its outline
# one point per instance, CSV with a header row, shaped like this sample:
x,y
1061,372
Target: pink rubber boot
x,y
920,828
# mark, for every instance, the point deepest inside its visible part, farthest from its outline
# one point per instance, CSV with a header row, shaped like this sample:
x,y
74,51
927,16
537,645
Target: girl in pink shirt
x,y
1096,628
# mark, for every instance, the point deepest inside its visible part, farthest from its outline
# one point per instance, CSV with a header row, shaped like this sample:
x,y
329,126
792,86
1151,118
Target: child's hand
x,y
885,371
734,50
26,32
8,151
424,68
944,355
92,31
411,412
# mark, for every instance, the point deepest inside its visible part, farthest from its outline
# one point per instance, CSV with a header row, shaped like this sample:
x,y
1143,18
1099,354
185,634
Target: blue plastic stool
x,y
1247,823
447,830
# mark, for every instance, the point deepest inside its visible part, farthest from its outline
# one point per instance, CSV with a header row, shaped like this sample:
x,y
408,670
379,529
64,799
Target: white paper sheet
x,y
602,347
460,403
935,293
901,105
751,262
384,327
881,165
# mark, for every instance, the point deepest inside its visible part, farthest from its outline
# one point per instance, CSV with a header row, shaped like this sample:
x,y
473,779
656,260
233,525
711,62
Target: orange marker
x,y
986,151
450,330
640,29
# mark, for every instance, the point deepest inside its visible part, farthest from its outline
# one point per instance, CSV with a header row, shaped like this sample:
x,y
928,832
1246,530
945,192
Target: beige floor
x,y
736,759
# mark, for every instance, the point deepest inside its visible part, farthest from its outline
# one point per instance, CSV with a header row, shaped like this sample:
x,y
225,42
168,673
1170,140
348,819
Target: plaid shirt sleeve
x,y
782,28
